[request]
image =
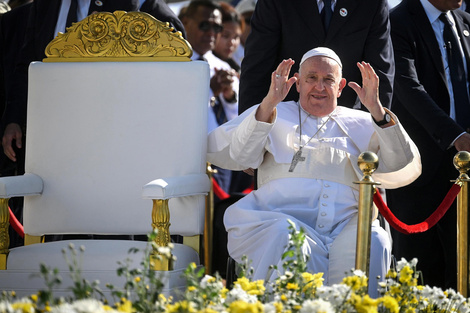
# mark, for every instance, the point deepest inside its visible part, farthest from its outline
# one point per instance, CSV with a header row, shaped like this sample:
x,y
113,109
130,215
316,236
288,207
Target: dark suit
x,y
284,29
422,103
40,31
12,32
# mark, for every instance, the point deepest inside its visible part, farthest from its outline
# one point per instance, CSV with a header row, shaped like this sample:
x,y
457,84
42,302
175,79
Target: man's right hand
x,y
278,90
12,132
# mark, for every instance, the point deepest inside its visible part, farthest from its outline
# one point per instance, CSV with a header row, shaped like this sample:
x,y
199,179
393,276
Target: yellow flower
x,y
252,288
25,307
137,279
284,298
183,306
365,304
395,290
292,286
207,310
125,306
278,306
107,308
406,275
390,304
391,274
34,298
191,288
223,293
355,282
240,306
313,279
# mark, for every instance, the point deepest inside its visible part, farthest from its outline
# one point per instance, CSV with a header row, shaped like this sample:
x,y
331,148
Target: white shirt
x,y
321,4
438,26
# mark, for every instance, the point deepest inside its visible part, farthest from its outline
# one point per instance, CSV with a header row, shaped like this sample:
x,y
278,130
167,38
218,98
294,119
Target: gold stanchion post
x,y
462,164
368,163
209,223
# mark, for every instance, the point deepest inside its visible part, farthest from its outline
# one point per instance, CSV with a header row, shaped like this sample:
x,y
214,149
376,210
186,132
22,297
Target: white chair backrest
x,y
98,132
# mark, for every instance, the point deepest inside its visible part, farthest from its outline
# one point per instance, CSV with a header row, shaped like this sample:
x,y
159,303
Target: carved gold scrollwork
x,y
119,36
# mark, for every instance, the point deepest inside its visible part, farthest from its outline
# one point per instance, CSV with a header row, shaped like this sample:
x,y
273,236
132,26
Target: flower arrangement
x,y
294,291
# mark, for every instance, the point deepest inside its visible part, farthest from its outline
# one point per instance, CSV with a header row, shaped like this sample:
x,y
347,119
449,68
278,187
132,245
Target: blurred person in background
x,y
245,8
229,40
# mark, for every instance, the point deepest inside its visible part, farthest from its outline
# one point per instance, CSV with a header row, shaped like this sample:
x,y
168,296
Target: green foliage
x,y
294,291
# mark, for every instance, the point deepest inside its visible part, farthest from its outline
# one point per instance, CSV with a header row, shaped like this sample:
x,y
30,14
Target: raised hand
x,y
278,90
369,92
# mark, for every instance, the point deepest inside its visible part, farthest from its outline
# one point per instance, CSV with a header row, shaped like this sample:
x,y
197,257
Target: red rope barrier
x,y
420,227
16,224
222,195
218,191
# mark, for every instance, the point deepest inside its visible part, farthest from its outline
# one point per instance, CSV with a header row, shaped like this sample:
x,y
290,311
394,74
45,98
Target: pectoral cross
x,y
295,159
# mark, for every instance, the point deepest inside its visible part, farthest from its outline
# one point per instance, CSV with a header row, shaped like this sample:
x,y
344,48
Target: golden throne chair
x,y
117,115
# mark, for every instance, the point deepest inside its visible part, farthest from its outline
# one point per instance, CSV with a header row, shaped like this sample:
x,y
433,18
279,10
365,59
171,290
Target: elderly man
x,y
306,154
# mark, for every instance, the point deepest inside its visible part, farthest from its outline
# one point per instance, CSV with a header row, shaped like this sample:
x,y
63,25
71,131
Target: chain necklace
x,y
298,155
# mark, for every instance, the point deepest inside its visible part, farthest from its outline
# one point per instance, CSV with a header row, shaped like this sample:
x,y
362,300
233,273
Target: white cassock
x,y
319,195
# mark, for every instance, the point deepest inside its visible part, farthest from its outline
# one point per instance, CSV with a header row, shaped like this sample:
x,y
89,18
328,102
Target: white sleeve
x,y
240,143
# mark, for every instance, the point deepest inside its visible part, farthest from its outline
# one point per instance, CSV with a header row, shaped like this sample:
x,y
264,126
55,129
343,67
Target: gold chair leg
x,y
161,222
4,236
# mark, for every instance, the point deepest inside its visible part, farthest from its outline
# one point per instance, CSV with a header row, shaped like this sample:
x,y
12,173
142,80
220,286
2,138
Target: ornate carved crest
x,y
119,36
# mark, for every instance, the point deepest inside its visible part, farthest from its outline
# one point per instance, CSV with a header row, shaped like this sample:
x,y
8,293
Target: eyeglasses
x,y
205,26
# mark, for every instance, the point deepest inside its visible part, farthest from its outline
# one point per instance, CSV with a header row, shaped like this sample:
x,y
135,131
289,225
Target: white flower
x,y
269,308
359,273
5,307
237,293
63,308
438,297
205,281
88,306
463,308
317,306
401,264
335,294
166,251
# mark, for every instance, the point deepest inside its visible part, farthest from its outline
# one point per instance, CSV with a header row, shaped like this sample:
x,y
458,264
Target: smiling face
x,y
319,84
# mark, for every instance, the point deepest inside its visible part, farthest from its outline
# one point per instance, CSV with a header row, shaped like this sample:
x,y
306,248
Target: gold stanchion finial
x,y
368,163
462,163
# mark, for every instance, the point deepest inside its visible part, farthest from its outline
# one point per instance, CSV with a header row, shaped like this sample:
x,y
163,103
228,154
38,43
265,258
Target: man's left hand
x,y
369,92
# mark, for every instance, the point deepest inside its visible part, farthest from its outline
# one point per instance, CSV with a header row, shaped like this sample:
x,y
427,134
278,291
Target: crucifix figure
x,y
295,159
